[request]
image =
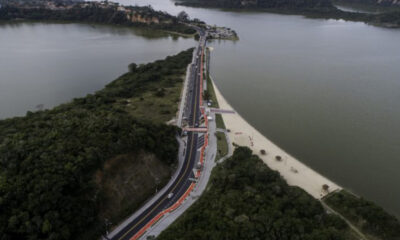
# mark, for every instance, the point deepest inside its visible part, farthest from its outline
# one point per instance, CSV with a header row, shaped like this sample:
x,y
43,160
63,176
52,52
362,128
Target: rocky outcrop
x,y
139,18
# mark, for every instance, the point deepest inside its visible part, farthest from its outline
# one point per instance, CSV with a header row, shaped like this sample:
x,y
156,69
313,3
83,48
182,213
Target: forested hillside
x,y
309,8
271,4
385,3
48,159
247,200
141,16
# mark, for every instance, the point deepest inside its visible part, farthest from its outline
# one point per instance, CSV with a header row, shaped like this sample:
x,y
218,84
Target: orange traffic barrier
x,y
192,185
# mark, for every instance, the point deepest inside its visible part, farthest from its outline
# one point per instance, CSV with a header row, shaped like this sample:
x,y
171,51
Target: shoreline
x,y
372,19
291,169
134,27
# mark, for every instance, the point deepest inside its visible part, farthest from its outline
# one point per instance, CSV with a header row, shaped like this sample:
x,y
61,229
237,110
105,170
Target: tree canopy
x,y
368,216
94,14
247,200
48,158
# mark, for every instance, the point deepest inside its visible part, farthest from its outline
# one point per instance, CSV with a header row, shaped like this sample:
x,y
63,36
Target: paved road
x,y
182,182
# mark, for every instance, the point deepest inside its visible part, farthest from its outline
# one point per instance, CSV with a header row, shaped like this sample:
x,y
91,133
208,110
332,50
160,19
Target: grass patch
x,y
210,89
222,145
210,86
155,106
219,121
211,93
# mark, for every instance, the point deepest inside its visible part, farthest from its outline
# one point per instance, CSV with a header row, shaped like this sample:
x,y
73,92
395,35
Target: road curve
x,y
136,227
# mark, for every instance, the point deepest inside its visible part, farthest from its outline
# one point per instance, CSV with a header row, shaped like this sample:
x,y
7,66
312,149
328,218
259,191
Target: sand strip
x,y
291,169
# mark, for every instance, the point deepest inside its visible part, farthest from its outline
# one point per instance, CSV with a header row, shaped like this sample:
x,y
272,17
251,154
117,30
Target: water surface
x,y
326,91
48,64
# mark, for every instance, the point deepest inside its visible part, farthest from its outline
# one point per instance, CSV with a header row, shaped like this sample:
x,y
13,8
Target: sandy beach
x,y
292,170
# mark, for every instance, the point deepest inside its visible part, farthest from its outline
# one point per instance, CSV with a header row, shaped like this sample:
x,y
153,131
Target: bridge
x,y
195,129
218,110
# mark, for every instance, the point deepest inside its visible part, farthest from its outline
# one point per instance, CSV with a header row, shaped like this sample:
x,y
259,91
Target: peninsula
x,y
65,170
105,12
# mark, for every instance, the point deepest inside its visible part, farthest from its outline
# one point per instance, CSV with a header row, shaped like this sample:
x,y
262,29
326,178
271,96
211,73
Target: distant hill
x,y
386,3
310,8
35,1
94,12
269,4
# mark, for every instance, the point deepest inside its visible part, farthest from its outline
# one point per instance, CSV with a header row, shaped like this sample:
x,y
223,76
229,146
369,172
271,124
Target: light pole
x,y
106,223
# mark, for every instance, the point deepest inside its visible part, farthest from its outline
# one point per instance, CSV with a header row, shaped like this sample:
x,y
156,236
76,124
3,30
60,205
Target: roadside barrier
x,y
192,185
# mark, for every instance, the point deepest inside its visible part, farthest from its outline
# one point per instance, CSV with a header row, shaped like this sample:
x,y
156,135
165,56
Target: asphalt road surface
x,y
182,182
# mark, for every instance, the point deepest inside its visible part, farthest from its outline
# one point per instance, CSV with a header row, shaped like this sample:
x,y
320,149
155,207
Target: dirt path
x,y
354,228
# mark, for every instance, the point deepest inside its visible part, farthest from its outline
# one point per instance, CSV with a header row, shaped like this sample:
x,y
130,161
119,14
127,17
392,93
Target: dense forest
x,y
94,14
369,217
270,4
48,158
247,200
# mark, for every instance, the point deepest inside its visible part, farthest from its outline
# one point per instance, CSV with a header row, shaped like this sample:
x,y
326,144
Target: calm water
x,y
52,63
326,91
